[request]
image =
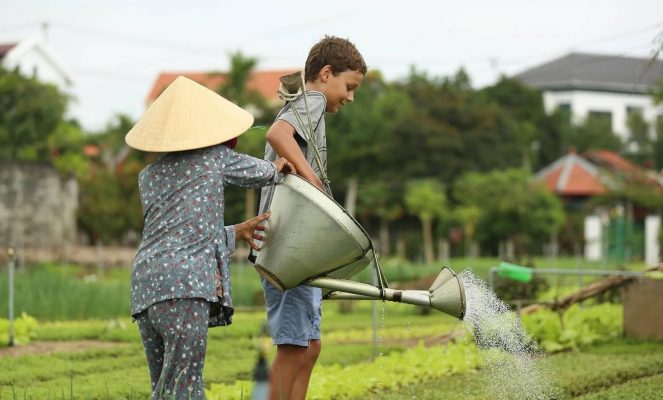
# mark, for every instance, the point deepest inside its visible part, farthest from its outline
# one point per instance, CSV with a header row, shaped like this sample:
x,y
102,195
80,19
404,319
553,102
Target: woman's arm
x,y
250,172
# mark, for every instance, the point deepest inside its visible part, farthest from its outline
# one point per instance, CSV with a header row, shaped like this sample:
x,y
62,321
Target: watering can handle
x,y
277,179
382,281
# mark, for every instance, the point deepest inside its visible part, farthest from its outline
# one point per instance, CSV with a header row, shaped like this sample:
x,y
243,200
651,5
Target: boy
x,y
333,72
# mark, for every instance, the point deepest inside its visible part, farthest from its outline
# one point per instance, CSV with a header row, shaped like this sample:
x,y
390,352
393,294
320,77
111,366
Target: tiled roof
x,y
5,48
580,71
613,160
91,150
625,168
264,82
571,175
595,172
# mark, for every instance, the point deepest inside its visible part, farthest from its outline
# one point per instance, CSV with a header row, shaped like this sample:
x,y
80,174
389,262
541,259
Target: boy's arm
x,y
281,136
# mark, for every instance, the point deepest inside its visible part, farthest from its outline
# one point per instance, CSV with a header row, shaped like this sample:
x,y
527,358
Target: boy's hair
x,y
340,54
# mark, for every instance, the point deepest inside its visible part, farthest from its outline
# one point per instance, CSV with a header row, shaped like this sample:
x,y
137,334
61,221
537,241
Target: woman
x,y
180,283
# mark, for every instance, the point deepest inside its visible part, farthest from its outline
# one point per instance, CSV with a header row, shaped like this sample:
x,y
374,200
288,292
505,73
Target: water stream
x,y
514,366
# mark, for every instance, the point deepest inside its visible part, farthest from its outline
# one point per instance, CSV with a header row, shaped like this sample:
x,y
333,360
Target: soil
x,y
43,348
428,342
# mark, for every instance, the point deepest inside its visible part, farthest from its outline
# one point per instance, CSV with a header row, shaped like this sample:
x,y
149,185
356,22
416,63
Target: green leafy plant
x,y
24,330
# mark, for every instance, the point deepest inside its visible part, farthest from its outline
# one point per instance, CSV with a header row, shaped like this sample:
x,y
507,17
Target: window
x,y
631,109
638,128
602,118
564,107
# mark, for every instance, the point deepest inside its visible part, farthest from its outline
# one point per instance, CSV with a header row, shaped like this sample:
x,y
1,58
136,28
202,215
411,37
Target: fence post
x,y
374,309
10,252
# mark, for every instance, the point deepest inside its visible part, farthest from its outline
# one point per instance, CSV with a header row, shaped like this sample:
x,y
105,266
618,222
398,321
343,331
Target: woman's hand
x,y
284,166
248,230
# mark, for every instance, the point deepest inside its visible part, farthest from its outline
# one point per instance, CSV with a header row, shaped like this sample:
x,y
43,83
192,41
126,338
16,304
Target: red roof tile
x,y
582,183
613,160
5,48
91,150
572,176
264,82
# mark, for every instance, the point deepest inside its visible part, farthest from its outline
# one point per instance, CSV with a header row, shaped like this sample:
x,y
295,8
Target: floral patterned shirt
x,y
185,246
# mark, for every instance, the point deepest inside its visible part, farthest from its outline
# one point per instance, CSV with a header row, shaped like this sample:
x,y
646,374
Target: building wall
x,y
37,206
643,300
33,62
582,102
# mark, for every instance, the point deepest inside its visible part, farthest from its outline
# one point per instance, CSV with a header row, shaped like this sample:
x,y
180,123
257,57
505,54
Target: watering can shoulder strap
x,y
306,126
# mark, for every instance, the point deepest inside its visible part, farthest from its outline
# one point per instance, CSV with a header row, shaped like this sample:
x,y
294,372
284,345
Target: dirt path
x,y
43,348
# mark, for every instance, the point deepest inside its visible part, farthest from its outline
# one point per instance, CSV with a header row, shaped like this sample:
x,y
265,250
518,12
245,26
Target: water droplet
x,y
514,366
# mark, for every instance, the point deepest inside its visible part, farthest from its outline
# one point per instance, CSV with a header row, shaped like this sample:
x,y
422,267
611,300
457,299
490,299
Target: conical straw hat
x,y
187,116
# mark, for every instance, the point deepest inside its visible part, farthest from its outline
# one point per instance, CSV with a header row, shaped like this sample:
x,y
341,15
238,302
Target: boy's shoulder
x,y
315,101
311,95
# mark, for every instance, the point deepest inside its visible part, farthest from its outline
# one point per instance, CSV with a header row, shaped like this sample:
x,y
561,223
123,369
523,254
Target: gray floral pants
x,y
174,334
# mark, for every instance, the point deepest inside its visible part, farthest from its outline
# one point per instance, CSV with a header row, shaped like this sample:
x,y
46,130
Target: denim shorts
x,y
294,315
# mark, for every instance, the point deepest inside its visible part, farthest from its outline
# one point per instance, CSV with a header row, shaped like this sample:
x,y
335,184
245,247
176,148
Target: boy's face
x,y
340,88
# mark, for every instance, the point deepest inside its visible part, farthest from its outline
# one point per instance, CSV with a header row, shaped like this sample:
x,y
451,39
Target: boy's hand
x,y
284,166
248,230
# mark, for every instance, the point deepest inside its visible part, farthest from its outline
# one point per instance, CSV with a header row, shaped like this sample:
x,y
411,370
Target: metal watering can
x,y
312,240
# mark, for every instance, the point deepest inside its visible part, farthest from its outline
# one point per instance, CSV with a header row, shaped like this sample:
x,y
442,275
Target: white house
x,y
605,86
33,57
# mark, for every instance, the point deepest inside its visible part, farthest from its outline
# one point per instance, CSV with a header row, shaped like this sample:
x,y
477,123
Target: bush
x,y
507,289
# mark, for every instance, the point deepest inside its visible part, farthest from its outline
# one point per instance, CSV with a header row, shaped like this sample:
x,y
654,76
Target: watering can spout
x,y
446,294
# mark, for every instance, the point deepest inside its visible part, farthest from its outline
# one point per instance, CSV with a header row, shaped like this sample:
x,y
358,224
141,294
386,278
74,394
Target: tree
x,y
235,89
594,133
657,92
110,204
31,111
640,139
469,216
111,142
513,207
658,145
65,145
524,105
376,198
426,199
358,137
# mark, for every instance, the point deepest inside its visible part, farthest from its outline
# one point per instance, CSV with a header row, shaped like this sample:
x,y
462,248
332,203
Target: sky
x,y
114,50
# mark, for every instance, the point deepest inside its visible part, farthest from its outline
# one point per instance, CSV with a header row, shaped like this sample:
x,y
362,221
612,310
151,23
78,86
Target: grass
x,y
62,292
617,370
88,295
231,352
98,308
614,369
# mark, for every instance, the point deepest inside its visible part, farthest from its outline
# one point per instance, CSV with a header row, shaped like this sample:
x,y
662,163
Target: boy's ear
x,y
325,73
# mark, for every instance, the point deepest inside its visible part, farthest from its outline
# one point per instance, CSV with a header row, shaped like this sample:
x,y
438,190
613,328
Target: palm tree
x,y
426,199
234,88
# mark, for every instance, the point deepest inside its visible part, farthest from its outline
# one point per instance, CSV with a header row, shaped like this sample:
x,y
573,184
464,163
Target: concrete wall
x,y
643,302
37,206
